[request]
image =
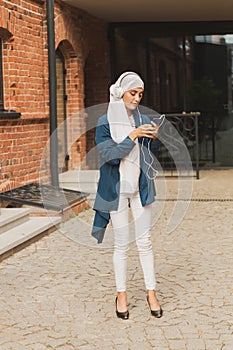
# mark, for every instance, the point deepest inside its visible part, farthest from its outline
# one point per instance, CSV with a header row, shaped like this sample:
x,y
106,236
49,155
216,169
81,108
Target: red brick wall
x,y
84,43
24,32
24,58
20,146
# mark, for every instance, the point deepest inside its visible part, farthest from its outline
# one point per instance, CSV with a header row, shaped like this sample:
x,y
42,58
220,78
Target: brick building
x,y
92,47
82,62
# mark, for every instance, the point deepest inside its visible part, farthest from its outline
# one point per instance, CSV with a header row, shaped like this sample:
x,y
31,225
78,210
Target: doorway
x,y
61,112
185,72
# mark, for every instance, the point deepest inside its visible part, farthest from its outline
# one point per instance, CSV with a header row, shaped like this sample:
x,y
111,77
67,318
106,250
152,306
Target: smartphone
x,y
159,120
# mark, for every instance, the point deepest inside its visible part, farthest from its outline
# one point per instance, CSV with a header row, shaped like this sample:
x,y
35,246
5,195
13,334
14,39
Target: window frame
x,y
3,112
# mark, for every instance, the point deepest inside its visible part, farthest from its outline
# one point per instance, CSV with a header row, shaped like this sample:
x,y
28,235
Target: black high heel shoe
x,y
124,315
155,313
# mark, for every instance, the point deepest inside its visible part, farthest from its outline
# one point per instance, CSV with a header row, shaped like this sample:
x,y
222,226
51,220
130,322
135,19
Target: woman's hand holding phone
x,y
145,130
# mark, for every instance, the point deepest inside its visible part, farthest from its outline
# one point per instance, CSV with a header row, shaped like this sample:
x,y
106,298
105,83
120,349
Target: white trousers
x,y
142,224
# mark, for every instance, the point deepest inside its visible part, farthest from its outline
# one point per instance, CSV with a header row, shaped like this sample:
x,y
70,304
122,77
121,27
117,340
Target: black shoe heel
x,y
123,315
155,313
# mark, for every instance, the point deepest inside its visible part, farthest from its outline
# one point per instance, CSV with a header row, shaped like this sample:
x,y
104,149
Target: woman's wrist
x,y
133,135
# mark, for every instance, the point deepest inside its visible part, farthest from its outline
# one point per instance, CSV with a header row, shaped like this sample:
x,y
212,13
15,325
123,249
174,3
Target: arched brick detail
x,y
74,105
82,40
4,21
4,33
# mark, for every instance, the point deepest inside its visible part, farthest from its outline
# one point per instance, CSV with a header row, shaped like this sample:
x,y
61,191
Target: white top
x,y
130,167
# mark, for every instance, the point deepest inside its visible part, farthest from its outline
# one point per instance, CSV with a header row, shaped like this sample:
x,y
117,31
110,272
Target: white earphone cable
x,y
150,166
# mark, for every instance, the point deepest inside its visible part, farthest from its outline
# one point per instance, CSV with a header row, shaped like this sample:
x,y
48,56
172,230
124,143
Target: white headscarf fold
x,y
117,115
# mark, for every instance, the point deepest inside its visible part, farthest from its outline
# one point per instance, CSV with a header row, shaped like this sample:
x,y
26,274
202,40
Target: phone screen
x,y
158,120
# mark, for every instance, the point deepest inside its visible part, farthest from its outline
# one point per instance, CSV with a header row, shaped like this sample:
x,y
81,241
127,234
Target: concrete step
x,y
80,180
12,217
24,232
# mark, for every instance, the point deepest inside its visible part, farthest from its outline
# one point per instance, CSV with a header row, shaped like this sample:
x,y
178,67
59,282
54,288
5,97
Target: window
x,y
4,113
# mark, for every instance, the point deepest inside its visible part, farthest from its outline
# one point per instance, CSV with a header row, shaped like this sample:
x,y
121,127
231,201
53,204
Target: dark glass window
x,y
4,113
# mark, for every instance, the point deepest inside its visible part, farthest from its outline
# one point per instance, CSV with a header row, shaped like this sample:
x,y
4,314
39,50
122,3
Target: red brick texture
x,y
83,42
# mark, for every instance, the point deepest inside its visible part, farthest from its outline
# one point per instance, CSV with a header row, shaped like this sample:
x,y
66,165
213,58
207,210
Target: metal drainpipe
x,y
52,94
184,74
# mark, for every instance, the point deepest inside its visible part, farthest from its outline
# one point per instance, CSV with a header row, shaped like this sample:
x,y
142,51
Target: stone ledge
x,y
9,114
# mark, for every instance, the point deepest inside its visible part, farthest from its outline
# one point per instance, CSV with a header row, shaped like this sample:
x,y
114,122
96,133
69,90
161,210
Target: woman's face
x,y
132,98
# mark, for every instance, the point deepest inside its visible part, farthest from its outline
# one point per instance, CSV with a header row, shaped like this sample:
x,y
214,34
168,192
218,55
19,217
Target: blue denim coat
x,y
111,154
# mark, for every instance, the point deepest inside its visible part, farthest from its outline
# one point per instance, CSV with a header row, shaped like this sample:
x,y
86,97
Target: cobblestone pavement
x,y
59,294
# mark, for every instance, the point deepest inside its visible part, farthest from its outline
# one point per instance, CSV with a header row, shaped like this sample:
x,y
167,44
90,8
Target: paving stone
x,y
211,344
195,344
141,346
59,294
172,332
177,344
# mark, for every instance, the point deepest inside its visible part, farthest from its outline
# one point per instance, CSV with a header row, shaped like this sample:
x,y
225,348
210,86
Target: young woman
x,y
123,137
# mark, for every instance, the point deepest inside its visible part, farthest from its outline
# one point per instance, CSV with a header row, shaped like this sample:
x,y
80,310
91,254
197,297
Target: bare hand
x,y
145,130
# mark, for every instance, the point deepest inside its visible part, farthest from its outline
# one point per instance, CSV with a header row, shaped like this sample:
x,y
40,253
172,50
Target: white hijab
x,y
120,127
117,115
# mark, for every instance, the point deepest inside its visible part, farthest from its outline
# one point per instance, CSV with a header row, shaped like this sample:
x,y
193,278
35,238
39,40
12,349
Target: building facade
x,y
82,62
90,53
